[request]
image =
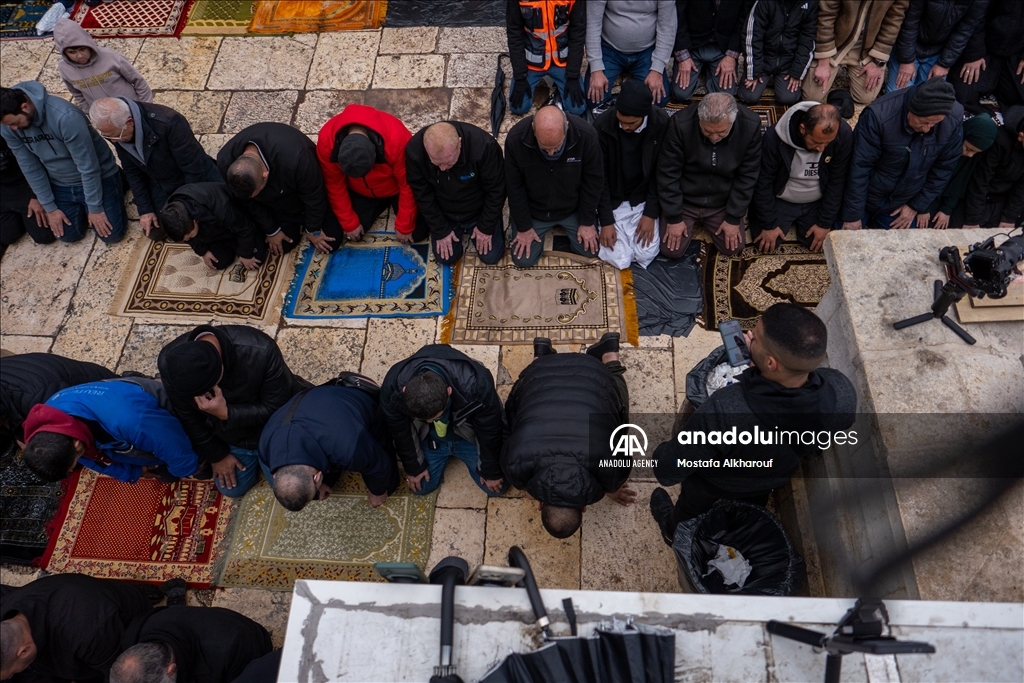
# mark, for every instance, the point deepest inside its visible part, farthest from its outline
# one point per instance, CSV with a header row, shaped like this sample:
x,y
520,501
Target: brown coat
x,y
838,21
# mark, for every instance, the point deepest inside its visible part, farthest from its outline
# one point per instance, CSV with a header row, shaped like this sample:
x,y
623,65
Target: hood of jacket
x,y
782,127
68,33
38,96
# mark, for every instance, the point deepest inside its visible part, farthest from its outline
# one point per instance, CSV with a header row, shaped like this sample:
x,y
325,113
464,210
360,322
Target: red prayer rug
x,y
138,19
146,531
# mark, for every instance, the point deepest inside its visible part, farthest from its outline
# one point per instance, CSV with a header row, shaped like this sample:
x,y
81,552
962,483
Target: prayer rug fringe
x,y
448,321
629,307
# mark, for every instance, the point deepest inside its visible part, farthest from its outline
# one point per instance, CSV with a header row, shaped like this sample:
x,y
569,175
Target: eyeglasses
x,y
119,134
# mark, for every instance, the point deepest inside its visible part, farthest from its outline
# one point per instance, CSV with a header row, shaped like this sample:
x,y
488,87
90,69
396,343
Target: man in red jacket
x,y
362,155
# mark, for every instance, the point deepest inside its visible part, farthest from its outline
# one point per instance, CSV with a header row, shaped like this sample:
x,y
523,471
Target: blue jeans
x,y
706,59
557,74
437,460
247,478
571,225
71,200
636,64
923,67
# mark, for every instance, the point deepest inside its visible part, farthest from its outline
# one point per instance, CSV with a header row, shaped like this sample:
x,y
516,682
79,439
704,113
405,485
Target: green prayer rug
x,y
220,17
338,539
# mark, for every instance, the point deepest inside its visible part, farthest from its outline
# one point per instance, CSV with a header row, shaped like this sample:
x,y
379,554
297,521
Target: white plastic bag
x,y
723,375
50,19
730,562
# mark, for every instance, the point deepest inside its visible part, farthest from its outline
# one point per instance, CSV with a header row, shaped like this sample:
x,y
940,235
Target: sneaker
x,y
609,344
662,509
542,347
174,589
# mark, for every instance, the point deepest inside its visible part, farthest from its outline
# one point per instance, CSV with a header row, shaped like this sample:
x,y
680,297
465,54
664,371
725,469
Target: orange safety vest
x,y
546,23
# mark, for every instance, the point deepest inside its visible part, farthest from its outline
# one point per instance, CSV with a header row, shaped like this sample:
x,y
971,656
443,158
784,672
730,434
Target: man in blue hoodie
x,y
65,161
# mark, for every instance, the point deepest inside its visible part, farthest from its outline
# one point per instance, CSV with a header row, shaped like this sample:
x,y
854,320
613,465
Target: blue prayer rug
x,y
377,277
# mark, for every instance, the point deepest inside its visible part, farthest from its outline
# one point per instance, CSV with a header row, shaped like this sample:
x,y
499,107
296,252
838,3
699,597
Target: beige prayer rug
x,y
338,539
170,283
565,297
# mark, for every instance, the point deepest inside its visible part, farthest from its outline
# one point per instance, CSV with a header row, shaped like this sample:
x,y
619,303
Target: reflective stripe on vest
x,y
542,48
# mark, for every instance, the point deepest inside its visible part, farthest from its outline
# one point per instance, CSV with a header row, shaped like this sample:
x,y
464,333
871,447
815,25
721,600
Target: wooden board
x,y
1009,308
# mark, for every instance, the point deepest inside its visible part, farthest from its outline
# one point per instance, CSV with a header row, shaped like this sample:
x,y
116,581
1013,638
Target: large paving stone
x,y
247,108
15,343
406,72
688,351
458,490
213,143
472,105
204,110
415,108
408,40
49,76
471,71
487,355
515,358
459,533
389,340
267,608
144,344
516,521
37,283
129,47
473,39
343,61
263,63
320,353
181,64
22,60
650,380
316,107
622,549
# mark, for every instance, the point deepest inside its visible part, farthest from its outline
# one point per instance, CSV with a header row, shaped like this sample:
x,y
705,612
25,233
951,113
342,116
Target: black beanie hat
x,y
843,101
934,97
193,367
634,99
356,155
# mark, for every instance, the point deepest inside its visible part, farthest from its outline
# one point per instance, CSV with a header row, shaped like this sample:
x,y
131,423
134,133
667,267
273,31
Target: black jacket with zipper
x,y
220,220
476,410
938,27
704,22
1000,33
999,174
173,157
778,38
776,161
544,190
693,171
613,193
471,190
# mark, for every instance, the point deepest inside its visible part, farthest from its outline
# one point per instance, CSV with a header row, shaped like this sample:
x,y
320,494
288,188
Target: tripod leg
x,y
833,667
937,290
916,320
961,332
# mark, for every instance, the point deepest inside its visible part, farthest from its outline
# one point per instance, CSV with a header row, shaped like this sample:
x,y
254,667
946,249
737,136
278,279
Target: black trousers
x,y
697,495
369,209
14,220
998,78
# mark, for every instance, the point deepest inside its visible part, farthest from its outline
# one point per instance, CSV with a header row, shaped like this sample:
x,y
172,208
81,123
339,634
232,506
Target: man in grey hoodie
x,y
66,163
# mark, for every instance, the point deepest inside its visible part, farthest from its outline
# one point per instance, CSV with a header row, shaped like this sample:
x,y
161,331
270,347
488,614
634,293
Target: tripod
x,y
860,630
945,296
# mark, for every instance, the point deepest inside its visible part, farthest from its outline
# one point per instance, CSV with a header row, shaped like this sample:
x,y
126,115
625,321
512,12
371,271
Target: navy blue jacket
x,y
893,165
332,430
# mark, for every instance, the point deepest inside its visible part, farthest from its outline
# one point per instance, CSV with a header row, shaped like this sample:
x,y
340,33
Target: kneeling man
x,y
204,215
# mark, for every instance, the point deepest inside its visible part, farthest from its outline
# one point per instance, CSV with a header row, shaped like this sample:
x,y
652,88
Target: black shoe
x,y
662,509
175,591
609,344
542,347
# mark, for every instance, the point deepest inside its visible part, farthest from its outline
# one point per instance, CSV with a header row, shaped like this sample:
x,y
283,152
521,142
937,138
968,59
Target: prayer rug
x,y
146,531
18,19
568,298
377,276
220,17
766,108
741,287
338,539
139,19
317,16
450,13
27,504
169,282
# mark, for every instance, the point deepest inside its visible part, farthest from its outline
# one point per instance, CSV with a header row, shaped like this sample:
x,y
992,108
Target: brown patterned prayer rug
x,y
317,16
741,287
766,109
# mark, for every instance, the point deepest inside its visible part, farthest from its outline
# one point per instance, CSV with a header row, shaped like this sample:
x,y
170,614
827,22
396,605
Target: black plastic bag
x,y
669,296
697,379
776,568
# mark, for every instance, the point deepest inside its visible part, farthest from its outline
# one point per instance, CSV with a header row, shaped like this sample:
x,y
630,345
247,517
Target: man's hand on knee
x,y
733,235
416,483
674,234
767,240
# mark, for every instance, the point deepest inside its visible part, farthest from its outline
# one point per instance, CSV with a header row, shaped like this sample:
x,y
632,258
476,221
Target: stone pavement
x,y
56,298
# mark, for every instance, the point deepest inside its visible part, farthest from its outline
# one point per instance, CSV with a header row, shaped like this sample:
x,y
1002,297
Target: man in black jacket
x,y
20,211
932,38
158,152
707,172
66,627
779,45
631,135
562,412
440,403
804,161
709,37
273,170
995,194
28,379
533,28
785,390
224,383
190,645
554,173
993,60
457,176
204,215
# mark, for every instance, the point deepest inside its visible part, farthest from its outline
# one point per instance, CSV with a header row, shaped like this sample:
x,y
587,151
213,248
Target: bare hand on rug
x,y
250,263
36,211
403,237
276,242
645,230
623,496
493,484
376,501
818,235
355,235
213,403
523,243
482,240
147,222
733,236
904,218
443,247
767,240
100,224
320,241
609,236
224,471
210,260
415,483
57,220
587,235
674,234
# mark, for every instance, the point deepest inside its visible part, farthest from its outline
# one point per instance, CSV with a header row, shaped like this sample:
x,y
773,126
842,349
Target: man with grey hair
x,y
707,171
158,152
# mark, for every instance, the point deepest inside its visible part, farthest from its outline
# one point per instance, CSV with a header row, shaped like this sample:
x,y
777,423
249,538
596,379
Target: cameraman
x,y
785,390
